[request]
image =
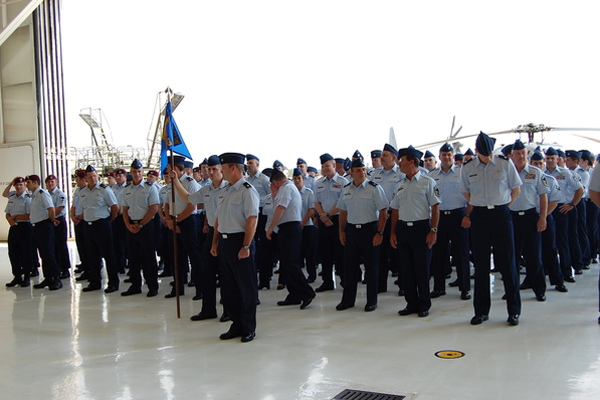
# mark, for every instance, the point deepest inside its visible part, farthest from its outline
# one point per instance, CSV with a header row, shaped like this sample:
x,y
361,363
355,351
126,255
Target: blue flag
x,y
171,139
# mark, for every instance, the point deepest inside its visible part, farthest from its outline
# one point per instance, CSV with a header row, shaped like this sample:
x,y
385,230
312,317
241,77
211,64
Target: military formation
x,y
225,226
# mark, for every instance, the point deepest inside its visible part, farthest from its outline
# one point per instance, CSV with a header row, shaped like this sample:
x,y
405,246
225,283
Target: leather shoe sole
x,y
202,317
513,320
24,284
42,284
248,338
479,319
13,283
453,283
198,297
171,295
570,279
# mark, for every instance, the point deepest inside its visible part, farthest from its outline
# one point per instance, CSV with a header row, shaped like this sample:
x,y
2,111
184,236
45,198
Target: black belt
x,y
360,226
231,235
489,207
524,212
96,221
289,223
414,223
588,200
42,222
448,212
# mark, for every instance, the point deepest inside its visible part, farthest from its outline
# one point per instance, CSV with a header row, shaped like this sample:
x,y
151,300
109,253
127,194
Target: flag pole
x,y
175,266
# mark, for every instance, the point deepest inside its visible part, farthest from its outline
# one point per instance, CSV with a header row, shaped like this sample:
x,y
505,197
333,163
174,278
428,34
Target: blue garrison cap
x,y
587,154
446,147
177,159
188,164
267,171
484,144
90,168
518,145
297,172
428,154
277,164
357,163
301,161
376,154
326,157
458,157
204,162
357,155
347,164
339,160
213,160
391,149
550,151
469,152
252,157
561,153
136,164
537,156
232,158
506,150
129,177
573,154
410,151
312,169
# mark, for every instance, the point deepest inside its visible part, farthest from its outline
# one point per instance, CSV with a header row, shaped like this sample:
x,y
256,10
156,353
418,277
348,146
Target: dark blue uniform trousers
x,y
562,241
239,286
80,242
416,257
359,244
99,244
449,230
309,250
43,238
120,242
528,241
265,251
187,246
60,245
142,257
19,249
549,251
592,226
574,244
330,250
208,279
289,242
494,227
388,258
582,232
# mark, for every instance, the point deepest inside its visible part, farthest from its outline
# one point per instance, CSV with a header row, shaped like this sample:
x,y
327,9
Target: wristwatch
x,y
245,247
141,226
380,232
434,230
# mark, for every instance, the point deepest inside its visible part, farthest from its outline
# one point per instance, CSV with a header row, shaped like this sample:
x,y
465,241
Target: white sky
x,y
286,79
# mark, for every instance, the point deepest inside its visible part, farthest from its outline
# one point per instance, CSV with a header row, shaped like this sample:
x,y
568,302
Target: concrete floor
x,y
72,345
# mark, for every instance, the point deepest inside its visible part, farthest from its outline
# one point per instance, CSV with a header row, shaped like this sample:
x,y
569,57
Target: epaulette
x,y
103,186
189,178
12,194
41,190
468,161
373,183
148,183
502,156
247,185
348,184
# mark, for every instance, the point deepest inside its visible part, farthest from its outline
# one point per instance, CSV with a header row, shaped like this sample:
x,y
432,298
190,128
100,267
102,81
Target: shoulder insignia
x,y
468,161
348,184
502,156
436,191
41,190
247,185
13,194
544,181
373,183
103,186
189,178
148,183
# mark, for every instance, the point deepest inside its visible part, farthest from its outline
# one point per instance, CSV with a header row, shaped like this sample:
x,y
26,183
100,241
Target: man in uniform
x,y
99,209
235,226
450,230
429,161
491,184
260,182
77,218
286,221
528,223
204,173
118,226
140,204
309,231
591,211
327,193
110,178
416,198
165,233
312,171
363,216
458,159
60,231
19,233
309,180
375,160
595,196
572,163
468,155
41,215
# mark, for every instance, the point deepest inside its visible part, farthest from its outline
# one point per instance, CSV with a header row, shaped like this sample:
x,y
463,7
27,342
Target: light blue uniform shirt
x,y
568,182
414,198
288,196
595,180
139,198
328,191
60,200
585,180
18,205
41,201
237,203
209,196
448,185
97,202
309,182
363,202
387,179
268,210
261,183
204,182
190,185
77,201
307,203
491,184
554,194
118,191
534,185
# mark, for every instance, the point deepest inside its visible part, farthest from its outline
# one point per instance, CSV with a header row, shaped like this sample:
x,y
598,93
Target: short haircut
x,y
410,157
277,175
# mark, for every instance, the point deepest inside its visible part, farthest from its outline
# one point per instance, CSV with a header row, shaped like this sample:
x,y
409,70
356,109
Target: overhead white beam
x,y
19,19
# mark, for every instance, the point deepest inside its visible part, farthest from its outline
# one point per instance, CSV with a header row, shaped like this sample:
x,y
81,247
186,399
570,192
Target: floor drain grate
x,y
349,394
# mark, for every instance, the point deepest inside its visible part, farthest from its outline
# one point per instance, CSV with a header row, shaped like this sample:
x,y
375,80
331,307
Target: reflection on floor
x,y
72,345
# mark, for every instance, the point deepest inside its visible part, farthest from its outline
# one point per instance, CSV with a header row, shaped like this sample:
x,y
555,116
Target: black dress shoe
x,y
90,288
400,292
586,267
343,306
42,284
525,286
370,307
594,261
224,318
561,288
394,274
266,286
453,283
248,338
127,280
83,277
65,275
569,279
14,282
540,297
197,297
306,303
202,317
310,279
172,294
578,272
55,285
34,273
423,314
131,291
110,289
152,293
381,290
504,296
479,319
465,295
324,287
406,311
78,269
165,274
437,293
25,283
288,302
280,286
191,284
513,320
229,335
